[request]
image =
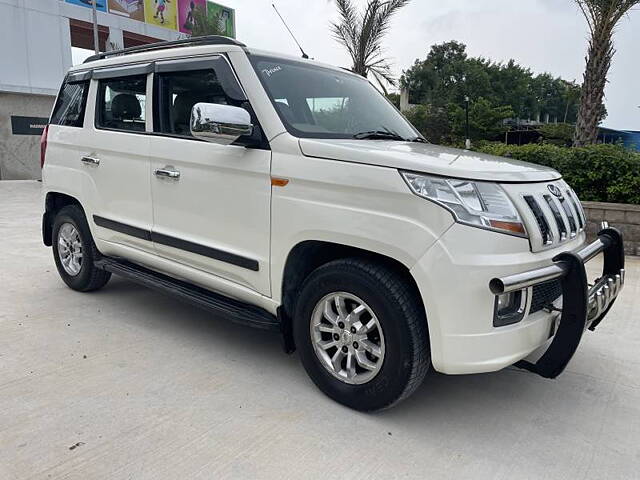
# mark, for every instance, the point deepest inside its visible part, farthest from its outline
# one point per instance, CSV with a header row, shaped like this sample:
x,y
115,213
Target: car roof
x,y
185,48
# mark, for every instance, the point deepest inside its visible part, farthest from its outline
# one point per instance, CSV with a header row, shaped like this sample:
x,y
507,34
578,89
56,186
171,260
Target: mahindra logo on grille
x,y
555,191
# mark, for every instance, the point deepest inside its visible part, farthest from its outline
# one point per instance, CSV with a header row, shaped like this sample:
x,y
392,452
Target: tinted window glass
x,y
71,104
314,101
179,92
121,103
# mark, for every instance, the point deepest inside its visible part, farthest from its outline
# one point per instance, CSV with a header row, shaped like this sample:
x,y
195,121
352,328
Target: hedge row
x,y
598,173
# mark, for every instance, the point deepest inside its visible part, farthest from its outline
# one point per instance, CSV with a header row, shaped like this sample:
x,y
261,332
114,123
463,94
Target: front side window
x,y
71,104
178,92
319,102
121,103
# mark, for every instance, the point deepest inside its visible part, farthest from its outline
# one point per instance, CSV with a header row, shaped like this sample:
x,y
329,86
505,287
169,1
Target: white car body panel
x,y
222,201
428,158
356,205
346,192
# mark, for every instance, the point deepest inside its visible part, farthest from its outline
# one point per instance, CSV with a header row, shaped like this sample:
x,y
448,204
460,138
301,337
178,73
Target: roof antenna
x,y
304,55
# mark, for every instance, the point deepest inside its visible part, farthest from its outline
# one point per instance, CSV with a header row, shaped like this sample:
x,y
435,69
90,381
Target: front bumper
x,y
584,305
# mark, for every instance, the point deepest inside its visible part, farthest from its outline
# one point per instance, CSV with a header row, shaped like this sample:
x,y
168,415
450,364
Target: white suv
x,y
292,196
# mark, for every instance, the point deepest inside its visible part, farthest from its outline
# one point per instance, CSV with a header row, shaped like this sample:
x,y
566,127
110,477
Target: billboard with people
x,y
190,14
191,17
161,13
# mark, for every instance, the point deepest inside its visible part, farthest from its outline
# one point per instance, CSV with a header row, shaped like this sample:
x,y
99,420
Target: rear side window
x,y
121,103
71,104
179,92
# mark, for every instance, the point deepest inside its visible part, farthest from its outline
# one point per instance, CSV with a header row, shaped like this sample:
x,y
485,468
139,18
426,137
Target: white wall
x,y
35,51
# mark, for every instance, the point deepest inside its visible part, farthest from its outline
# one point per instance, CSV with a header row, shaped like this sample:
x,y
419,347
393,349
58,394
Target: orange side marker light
x,y
279,182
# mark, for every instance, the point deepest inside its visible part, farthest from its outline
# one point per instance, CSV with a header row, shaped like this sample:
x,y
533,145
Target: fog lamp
x,y
509,308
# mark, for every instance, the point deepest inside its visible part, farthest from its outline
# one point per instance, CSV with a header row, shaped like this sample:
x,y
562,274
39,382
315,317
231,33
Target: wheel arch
x,y
307,256
53,203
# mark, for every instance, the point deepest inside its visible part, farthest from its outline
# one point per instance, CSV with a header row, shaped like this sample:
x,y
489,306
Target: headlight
x,y
479,204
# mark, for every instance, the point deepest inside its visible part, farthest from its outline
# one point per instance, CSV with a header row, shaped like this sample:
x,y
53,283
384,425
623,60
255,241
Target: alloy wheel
x,y
70,249
347,338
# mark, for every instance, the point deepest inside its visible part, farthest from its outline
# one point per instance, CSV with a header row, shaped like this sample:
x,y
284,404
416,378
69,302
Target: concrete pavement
x,y
126,383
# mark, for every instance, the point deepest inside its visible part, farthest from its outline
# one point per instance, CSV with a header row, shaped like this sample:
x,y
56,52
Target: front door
x,y
211,203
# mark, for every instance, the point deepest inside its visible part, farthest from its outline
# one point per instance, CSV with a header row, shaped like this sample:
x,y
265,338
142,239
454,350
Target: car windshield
x,y
318,102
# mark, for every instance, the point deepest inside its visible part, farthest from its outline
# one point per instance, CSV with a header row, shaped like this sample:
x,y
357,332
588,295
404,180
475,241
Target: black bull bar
x,y
584,305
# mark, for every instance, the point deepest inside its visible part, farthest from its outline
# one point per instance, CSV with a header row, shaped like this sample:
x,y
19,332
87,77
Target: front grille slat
x,y
543,225
562,227
579,212
569,212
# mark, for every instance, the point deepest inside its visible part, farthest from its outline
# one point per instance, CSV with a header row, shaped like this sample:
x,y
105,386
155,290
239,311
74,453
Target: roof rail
x,y
185,42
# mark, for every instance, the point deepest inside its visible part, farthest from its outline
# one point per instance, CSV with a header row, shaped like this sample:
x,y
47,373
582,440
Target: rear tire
x,y
396,358
75,252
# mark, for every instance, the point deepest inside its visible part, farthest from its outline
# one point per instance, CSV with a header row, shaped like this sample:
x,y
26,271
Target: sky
x,y
543,35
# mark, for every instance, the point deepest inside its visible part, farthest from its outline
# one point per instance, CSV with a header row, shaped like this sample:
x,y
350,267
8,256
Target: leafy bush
x,y
599,173
557,133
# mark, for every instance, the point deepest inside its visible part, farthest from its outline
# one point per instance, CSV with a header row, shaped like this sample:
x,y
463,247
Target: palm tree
x,y
602,17
362,34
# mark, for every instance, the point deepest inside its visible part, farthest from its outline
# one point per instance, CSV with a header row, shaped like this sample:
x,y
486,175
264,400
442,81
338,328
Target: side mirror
x,y
221,124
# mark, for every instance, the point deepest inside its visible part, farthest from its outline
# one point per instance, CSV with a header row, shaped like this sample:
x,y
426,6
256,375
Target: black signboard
x,y
27,125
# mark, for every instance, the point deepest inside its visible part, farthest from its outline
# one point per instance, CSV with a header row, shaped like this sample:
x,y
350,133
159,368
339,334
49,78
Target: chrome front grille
x,y
558,219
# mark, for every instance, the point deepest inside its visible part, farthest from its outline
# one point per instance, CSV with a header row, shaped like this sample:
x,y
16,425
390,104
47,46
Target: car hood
x,y
428,158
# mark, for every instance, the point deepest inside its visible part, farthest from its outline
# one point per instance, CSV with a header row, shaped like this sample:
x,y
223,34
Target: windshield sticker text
x,y
270,71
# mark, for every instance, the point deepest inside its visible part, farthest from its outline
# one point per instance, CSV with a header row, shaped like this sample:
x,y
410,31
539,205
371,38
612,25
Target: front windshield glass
x,y
318,102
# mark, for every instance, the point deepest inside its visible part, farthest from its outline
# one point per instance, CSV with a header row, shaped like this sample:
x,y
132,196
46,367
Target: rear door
x,y
214,216
116,156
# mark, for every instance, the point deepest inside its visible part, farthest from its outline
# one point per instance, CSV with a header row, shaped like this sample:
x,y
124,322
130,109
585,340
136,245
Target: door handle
x,y
90,160
167,172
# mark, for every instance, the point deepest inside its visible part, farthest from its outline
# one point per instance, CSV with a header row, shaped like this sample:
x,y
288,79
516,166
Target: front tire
x,y
74,251
361,331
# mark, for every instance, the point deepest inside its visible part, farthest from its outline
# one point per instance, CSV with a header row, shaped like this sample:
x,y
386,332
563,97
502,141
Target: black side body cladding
x,y
233,310
198,249
122,228
214,253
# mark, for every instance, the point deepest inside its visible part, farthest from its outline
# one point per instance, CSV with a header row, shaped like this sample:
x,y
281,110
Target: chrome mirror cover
x,y
221,124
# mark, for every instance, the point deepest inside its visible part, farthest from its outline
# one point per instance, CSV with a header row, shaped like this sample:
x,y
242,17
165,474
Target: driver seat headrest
x,y
125,106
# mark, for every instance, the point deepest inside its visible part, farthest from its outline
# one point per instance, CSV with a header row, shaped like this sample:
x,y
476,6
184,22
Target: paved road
x,y
126,383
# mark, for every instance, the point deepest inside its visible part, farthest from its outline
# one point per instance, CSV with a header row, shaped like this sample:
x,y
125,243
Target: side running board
x,y
233,310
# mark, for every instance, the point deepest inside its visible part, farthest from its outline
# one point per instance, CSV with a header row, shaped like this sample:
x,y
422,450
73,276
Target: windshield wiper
x,y
378,134
419,140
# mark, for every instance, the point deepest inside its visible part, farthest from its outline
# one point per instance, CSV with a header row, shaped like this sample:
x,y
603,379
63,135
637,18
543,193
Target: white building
x,y
35,53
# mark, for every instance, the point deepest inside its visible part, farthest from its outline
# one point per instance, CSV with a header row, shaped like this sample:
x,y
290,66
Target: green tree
x,y
602,17
432,122
394,98
486,121
362,34
448,74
